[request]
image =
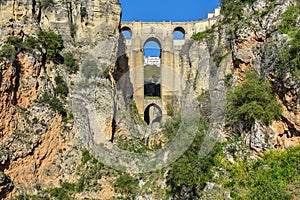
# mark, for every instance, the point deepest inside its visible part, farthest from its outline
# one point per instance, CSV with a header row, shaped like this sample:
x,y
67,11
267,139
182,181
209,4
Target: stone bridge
x,y
162,34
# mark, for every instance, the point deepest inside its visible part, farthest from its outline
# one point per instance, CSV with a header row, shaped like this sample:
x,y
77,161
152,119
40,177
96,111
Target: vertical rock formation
x,y
37,146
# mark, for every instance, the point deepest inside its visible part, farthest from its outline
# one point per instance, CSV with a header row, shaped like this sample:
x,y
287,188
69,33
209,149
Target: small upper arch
x,y
179,33
127,33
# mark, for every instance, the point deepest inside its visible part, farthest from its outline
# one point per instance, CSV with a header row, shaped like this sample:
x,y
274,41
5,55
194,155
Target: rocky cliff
x,y
54,107
38,149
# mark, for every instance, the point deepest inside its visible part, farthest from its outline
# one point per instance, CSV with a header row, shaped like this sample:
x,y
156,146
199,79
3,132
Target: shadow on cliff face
x,y
6,185
122,70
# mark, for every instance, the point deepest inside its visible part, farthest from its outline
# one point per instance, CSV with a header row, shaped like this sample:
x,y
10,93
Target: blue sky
x,y
166,10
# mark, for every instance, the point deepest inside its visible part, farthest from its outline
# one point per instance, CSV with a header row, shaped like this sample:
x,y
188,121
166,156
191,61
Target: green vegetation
x,y
61,88
8,51
172,107
48,40
73,30
30,44
54,103
199,36
219,59
266,178
105,73
251,100
90,170
135,145
51,42
189,171
70,63
289,60
151,74
228,80
83,13
126,184
134,114
289,22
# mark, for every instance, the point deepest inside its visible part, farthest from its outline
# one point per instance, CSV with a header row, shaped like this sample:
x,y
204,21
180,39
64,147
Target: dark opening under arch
x,y
152,113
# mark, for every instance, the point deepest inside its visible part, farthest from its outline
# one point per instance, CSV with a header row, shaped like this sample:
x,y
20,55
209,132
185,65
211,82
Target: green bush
x,y
199,36
15,41
126,184
289,60
54,103
86,156
8,51
251,100
70,63
61,87
266,178
51,42
289,21
83,12
189,170
31,43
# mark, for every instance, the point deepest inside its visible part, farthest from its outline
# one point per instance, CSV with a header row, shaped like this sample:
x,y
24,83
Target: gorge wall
x,y
39,148
43,149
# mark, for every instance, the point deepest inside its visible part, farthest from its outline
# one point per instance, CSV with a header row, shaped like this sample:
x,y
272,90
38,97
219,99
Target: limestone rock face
x,y
31,134
36,145
257,47
86,21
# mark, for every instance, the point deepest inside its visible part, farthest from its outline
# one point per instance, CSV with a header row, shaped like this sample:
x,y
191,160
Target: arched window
x,y
178,34
126,31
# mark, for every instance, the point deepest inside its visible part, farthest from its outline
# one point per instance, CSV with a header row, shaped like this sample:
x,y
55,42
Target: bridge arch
x,y
153,39
126,31
152,71
153,113
179,33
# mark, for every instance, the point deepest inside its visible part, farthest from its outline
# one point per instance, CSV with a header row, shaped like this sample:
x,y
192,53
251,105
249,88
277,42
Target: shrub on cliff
x,y
126,184
70,63
51,42
251,100
8,51
61,87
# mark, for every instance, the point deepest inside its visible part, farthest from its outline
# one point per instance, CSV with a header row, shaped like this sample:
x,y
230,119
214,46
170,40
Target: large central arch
x,y
152,71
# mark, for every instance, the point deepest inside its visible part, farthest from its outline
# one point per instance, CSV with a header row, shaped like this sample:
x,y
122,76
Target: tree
x,y
70,63
250,100
51,42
